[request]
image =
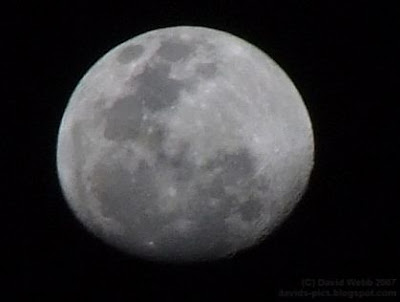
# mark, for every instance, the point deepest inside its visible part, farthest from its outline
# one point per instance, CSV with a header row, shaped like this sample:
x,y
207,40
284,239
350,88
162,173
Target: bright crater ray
x,y
184,144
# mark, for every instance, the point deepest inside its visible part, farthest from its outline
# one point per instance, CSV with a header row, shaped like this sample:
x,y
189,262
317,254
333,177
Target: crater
x,y
209,234
174,50
130,53
235,168
250,210
214,190
206,237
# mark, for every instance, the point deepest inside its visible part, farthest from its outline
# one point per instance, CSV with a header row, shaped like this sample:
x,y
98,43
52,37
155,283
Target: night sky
x,y
341,55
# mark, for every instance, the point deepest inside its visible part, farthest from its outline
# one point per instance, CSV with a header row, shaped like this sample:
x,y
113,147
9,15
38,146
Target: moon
x,y
184,144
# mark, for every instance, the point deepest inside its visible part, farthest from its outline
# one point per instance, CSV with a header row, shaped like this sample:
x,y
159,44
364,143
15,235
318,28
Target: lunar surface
x,y
184,144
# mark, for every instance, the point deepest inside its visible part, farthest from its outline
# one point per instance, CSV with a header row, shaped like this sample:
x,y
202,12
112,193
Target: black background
x,y
342,57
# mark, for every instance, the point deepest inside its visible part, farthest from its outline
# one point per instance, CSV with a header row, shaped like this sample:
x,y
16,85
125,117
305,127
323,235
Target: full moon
x,y
184,144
